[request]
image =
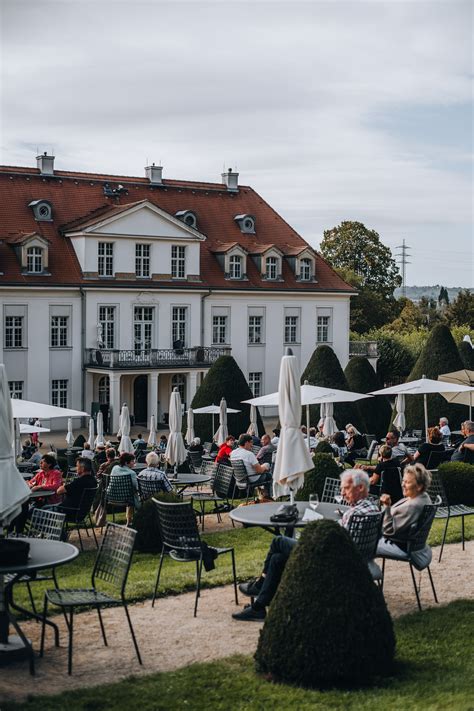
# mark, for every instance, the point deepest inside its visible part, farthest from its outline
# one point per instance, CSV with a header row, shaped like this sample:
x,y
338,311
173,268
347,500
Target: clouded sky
x,y
330,110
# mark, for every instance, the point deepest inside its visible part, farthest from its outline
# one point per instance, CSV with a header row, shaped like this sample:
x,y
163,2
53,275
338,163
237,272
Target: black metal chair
x,y
446,510
119,492
195,461
437,458
75,517
148,488
242,479
365,530
416,552
181,540
222,488
110,571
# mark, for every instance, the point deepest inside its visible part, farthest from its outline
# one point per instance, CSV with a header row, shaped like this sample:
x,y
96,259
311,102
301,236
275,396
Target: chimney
x,y
45,164
231,181
153,173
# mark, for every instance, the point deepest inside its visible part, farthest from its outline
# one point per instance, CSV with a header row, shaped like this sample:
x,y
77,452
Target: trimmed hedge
x,y
458,480
324,466
323,447
145,522
466,351
328,624
376,411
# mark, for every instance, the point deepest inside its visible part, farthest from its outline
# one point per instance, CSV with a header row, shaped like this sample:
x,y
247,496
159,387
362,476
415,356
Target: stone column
x,y
192,382
153,396
115,400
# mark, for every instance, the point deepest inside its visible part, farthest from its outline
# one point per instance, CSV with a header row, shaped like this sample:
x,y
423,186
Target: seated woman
x,y
355,443
154,473
162,443
196,446
386,474
223,455
125,468
47,478
339,446
400,516
434,444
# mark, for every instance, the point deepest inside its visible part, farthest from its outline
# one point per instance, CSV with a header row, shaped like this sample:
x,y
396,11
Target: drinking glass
x,y
313,501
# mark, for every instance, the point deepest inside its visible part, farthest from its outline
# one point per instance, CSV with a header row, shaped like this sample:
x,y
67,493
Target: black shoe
x,y
250,614
252,588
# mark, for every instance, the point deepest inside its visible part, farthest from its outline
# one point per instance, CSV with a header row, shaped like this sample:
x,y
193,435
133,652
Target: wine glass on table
x,y
313,501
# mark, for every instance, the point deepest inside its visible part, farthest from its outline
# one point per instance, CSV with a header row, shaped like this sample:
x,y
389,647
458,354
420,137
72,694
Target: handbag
x,y
286,513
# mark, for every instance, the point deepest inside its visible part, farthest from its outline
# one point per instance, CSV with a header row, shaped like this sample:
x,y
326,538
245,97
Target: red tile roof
x,y
78,199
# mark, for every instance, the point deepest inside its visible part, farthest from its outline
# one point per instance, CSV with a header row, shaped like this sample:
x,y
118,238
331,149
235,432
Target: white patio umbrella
x,y
461,377
293,458
29,429
424,386
253,427
400,421
175,450
222,432
24,409
152,436
99,440
70,436
189,436
212,410
329,427
91,437
119,431
125,442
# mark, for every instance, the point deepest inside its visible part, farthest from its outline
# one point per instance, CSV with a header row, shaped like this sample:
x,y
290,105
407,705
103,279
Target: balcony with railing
x,y
162,358
367,349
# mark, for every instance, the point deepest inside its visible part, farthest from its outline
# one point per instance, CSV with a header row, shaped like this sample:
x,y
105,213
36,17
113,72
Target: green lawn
x,y
435,671
250,548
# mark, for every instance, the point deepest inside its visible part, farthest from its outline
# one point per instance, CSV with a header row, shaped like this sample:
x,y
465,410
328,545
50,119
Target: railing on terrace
x,y
154,358
368,349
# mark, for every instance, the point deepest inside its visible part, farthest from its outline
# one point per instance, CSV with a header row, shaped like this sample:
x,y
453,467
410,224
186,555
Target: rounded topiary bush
x,y
323,447
466,351
458,481
332,628
145,522
324,466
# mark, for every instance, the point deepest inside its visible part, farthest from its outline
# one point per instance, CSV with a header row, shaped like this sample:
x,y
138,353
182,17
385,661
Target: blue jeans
x,y
277,556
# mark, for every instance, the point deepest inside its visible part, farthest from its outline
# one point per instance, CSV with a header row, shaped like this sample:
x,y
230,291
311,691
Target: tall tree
x,y
351,245
461,311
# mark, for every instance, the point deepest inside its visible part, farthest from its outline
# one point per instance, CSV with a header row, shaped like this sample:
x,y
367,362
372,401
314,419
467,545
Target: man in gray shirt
x,y
465,451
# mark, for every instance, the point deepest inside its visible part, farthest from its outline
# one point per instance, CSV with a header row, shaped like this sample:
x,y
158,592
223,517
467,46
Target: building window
x,y
59,331
13,331
179,318
104,390
291,329
255,329
235,267
271,268
142,260
143,328
106,335
323,328
255,383
105,261
179,381
34,260
59,393
219,330
16,389
178,262
305,269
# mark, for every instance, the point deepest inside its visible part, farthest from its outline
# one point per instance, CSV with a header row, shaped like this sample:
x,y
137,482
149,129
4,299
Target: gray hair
x,y
422,475
196,441
152,459
359,477
469,425
443,421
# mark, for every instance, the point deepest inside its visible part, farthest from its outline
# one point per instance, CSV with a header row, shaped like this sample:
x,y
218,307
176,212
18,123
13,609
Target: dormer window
x,y
271,268
34,260
246,224
42,210
235,267
32,251
188,217
305,269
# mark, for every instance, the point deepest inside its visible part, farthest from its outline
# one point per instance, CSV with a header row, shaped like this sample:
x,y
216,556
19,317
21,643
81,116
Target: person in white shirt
x,y
257,473
276,437
444,427
87,451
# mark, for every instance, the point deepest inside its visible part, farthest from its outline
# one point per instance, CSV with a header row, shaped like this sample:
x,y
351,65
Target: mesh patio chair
x,y
437,458
119,492
418,553
109,579
147,488
446,510
180,537
242,480
365,530
222,488
256,449
332,489
75,517
195,461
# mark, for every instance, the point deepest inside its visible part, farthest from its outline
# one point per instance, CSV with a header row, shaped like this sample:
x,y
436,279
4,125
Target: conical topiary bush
x,y
440,355
376,411
325,370
328,624
224,379
466,351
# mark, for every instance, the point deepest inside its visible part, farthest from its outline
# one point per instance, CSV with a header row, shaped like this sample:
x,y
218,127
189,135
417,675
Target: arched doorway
x,y
179,381
140,399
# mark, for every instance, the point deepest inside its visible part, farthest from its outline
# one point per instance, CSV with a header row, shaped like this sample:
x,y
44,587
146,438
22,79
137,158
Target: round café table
x,y
182,481
260,515
43,554
41,493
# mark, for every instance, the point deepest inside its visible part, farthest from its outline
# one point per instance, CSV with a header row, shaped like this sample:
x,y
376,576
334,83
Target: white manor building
x,y
118,289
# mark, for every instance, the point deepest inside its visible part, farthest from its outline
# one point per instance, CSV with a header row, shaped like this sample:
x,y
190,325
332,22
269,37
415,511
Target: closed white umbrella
x,y
460,377
125,441
400,421
152,436
189,436
175,450
293,458
70,436
99,440
119,431
253,427
329,427
222,432
91,437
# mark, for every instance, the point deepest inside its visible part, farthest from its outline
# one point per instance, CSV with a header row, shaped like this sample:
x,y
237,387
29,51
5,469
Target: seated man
x,y
399,450
139,443
465,451
354,489
84,480
444,427
87,452
265,453
385,473
155,474
258,474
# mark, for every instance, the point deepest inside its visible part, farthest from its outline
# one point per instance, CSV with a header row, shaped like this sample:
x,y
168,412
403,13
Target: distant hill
x,y
415,293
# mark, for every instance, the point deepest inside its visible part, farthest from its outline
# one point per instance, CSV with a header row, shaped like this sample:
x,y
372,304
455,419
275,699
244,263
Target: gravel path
x,y
170,637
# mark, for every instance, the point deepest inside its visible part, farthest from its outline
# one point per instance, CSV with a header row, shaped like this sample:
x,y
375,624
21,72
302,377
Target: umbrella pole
x,y
470,406
307,425
425,402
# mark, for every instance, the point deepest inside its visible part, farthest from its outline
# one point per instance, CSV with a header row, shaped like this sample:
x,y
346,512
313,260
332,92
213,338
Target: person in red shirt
x,y
47,478
223,455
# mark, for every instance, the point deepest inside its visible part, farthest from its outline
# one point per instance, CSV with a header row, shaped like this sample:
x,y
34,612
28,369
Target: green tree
x,y
410,318
443,297
440,355
351,245
376,411
324,369
466,351
328,624
224,379
368,309
461,311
